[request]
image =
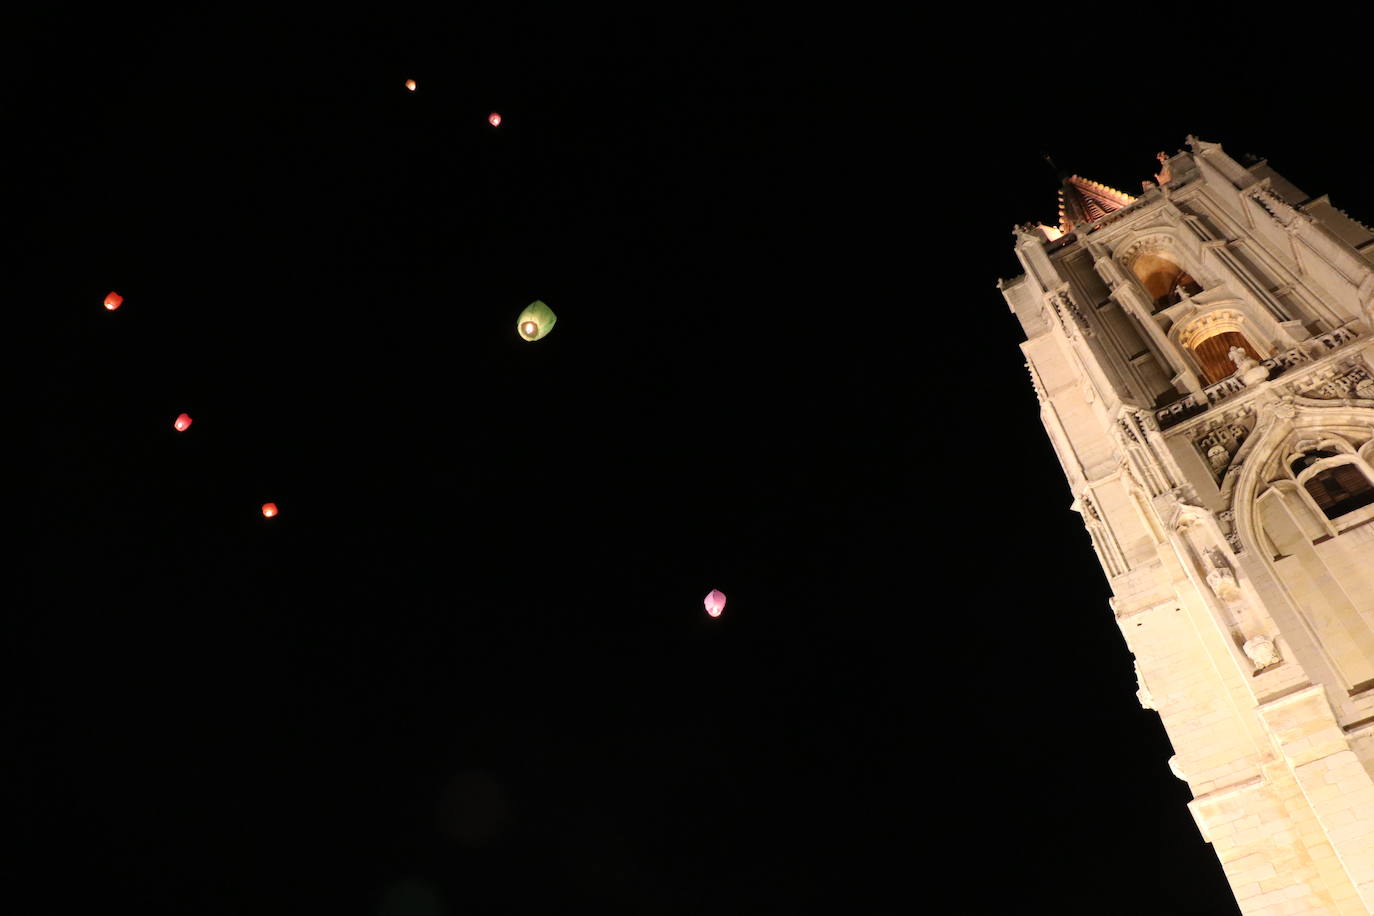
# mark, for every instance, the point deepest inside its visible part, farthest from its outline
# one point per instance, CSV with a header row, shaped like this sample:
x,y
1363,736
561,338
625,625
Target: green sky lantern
x,y
535,321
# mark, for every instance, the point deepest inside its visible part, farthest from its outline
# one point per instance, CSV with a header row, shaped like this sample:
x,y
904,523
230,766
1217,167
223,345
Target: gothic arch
x,y
1156,239
1323,443
1165,270
1282,527
1264,458
1206,337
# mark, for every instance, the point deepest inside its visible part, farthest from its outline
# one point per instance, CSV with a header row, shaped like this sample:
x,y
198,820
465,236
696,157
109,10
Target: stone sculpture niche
x,y
1221,579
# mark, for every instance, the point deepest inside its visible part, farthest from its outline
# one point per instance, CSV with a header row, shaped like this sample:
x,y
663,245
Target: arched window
x,y
1213,354
1310,527
1163,279
1309,458
1339,488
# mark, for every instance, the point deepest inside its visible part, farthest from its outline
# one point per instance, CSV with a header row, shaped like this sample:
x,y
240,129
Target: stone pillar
x,y
1331,777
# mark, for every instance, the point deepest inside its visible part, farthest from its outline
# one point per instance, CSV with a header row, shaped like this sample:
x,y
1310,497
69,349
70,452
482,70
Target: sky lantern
x,y
715,602
269,509
494,119
535,321
183,423
410,84
113,301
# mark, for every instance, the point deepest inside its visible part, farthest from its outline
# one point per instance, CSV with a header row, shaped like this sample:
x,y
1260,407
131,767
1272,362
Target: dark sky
x,y
466,670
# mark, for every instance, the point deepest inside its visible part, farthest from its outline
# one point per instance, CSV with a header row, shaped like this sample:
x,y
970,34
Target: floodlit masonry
x,y
1202,355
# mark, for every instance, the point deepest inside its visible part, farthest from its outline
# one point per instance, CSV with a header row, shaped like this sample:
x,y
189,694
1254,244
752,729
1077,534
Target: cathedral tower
x,y
1203,358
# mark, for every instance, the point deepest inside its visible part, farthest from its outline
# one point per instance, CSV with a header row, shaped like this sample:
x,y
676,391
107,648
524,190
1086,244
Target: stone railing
x,y
1334,339
1311,349
1194,404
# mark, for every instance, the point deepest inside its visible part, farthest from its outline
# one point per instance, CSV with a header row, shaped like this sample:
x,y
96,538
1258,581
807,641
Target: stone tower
x,y
1202,355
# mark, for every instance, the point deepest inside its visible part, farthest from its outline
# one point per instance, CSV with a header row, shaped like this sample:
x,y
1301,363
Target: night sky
x,y
467,669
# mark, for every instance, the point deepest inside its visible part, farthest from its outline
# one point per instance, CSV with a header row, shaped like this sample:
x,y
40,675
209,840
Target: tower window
x,y
1214,354
1307,459
1340,489
1164,280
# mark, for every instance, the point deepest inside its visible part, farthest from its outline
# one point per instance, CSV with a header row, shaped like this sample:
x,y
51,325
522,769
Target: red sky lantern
x,y
715,602
113,301
410,84
269,509
183,423
494,119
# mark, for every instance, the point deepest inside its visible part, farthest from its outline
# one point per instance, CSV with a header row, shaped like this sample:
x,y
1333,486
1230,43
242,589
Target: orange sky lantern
x,y
183,423
269,509
410,84
113,301
494,119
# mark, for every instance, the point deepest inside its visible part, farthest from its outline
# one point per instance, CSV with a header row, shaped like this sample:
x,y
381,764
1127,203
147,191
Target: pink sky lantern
x,y
494,119
113,301
410,84
269,509
715,602
183,423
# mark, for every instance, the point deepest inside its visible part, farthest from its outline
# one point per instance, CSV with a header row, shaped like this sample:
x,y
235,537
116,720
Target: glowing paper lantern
x,y
715,602
535,321
183,423
494,119
269,509
410,84
113,301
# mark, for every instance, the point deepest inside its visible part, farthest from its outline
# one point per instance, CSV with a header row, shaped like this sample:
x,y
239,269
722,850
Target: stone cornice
x,y
1293,367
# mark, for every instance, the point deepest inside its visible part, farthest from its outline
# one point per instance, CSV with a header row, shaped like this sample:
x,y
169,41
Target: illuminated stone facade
x,y
1204,363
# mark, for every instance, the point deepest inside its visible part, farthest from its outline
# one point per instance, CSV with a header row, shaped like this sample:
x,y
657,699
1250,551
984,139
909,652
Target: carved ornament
x,y
1261,651
1221,579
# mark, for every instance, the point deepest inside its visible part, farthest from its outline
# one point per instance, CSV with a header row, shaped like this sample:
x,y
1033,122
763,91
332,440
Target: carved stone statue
x,y
1164,175
1250,371
1220,579
1261,651
1218,458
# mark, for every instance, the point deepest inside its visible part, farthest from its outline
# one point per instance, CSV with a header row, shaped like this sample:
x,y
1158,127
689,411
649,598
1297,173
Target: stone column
x,y
1331,777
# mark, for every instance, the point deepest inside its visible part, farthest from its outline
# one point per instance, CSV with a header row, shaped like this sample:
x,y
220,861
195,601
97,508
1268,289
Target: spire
x,y
1083,201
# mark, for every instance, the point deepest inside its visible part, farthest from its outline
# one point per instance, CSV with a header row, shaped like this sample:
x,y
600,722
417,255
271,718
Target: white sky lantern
x,y
715,602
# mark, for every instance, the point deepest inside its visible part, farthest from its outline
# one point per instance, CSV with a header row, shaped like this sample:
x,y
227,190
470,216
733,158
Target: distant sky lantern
x,y
183,423
113,301
715,602
494,119
269,509
535,321
410,84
